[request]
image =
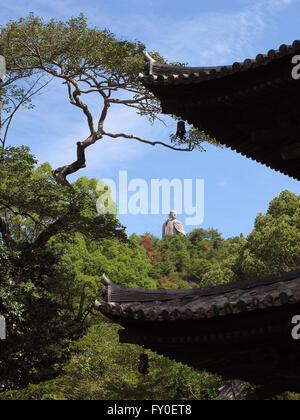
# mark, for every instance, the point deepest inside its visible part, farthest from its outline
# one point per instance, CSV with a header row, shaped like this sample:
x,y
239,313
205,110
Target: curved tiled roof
x,y
164,74
251,107
239,331
235,298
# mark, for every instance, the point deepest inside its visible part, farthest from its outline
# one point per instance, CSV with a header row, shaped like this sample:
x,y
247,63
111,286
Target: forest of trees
x,y
47,292
54,246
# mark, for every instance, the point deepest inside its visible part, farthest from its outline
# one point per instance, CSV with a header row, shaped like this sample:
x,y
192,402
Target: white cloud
x,y
213,38
223,182
207,38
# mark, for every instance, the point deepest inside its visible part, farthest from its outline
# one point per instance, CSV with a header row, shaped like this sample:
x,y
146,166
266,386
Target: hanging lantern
x,y
144,364
181,130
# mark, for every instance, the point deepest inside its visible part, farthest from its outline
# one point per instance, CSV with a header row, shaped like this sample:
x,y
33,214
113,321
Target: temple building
x,y
241,330
251,107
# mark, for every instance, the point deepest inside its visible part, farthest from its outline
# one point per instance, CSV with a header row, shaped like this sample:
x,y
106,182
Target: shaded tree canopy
x,y
47,287
33,207
274,244
38,219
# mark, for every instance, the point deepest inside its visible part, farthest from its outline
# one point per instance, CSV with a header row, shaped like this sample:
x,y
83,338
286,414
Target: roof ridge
x,y
154,69
116,293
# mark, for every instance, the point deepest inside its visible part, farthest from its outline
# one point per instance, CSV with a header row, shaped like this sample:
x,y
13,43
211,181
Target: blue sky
x,y
201,33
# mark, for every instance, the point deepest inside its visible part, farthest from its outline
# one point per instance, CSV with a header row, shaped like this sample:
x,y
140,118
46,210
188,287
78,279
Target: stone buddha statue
x,y
172,226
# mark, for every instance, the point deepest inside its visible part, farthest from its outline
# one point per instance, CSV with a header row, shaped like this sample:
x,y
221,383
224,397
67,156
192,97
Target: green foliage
x,y
70,42
48,390
194,139
274,244
54,246
35,207
47,296
204,258
72,50
287,396
103,369
90,61
201,259
38,333
82,261
37,217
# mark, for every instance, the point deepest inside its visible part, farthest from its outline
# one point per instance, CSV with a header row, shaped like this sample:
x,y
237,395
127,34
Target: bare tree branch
x,y
17,106
152,143
110,69
60,174
19,212
57,226
76,93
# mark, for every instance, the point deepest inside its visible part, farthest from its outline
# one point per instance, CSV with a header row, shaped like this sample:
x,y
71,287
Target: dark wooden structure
x,y
242,330
252,107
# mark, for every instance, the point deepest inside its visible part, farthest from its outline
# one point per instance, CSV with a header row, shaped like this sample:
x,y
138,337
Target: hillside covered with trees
x,y
47,292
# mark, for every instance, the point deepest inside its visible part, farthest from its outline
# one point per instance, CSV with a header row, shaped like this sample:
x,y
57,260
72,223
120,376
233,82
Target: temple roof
x,y
251,107
239,331
160,305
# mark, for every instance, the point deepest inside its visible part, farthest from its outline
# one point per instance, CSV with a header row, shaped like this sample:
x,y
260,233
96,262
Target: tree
x,y
39,331
192,261
82,260
16,93
104,369
89,62
34,209
274,244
